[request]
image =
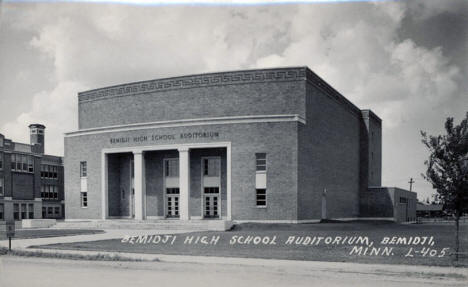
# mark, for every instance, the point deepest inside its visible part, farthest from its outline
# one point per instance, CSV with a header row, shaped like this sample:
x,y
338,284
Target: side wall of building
x,y
329,157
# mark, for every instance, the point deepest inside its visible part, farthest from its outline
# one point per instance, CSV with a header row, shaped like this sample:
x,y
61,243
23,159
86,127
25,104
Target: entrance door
x,y
171,187
211,202
211,186
172,202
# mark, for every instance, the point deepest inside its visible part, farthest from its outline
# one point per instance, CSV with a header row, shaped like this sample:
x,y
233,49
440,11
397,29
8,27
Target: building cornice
x,y
196,81
190,122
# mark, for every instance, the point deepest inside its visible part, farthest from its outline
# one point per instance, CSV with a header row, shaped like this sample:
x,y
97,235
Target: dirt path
x,y
19,271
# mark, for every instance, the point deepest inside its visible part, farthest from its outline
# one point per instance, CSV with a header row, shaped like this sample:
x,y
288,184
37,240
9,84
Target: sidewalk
x,y
387,269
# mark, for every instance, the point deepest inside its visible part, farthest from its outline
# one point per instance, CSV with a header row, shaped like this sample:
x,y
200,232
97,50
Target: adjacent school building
x,y
31,182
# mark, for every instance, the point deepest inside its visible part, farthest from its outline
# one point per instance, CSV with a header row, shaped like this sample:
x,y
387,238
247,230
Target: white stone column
x,y
184,183
139,182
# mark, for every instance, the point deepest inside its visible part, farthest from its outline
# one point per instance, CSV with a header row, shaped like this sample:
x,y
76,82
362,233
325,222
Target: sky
x,y
405,60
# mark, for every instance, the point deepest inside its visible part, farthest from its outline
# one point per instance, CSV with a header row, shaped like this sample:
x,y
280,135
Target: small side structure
x,y
390,203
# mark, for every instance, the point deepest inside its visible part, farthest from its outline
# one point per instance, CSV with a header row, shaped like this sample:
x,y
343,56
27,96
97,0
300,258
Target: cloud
x,y
56,109
356,47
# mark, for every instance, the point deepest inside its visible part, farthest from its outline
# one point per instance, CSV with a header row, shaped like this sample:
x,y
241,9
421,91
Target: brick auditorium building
x,y
31,182
270,145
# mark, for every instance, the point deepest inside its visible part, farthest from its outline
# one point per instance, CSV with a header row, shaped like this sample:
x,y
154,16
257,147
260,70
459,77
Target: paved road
x,y
25,271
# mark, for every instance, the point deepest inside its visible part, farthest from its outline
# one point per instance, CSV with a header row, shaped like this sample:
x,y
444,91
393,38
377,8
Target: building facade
x,y
31,182
257,145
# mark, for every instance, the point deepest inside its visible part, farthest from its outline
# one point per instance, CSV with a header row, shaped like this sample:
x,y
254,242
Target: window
x,y
44,213
30,164
84,199
260,161
31,211
83,169
23,163
172,190
1,186
261,197
50,210
211,190
55,172
2,211
403,200
1,161
13,161
211,166
172,167
16,211
57,211
55,192
23,211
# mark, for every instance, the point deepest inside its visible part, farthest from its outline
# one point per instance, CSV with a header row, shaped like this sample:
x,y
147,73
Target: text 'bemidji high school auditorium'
x,y
270,145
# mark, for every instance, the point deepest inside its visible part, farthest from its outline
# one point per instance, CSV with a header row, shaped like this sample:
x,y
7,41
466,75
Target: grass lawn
x,y
443,237
39,233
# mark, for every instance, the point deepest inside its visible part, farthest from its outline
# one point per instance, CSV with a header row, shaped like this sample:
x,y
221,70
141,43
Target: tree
x,y
447,169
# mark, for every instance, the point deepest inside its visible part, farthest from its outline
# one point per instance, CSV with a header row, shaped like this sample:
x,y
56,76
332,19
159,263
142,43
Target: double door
x,y
172,202
211,186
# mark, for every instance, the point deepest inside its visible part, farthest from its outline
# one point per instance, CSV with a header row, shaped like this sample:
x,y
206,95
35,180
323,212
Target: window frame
x,y
262,158
83,169
84,199
264,200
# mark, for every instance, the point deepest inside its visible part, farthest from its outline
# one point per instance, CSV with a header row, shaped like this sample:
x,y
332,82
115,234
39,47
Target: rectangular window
x,y
24,161
83,169
2,211
16,211
23,211
1,186
13,161
57,211
403,200
44,213
211,166
55,172
42,171
261,197
55,192
1,161
30,164
84,199
31,211
172,167
50,211
260,161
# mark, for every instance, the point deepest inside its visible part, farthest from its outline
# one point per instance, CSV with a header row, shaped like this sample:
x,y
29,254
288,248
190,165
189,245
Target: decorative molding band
x,y
190,122
196,81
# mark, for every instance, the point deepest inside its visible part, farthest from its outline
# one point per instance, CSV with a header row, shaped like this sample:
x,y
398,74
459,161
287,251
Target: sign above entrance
x,y
165,137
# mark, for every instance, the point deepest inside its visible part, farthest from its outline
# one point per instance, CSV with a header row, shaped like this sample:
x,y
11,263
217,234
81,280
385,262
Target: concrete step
x,y
193,225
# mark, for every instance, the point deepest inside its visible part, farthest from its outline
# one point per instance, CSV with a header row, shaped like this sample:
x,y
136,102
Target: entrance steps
x,y
192,225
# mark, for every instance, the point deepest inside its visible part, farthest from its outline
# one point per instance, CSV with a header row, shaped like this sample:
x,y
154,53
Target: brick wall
x,y
279,140
230,96
329,146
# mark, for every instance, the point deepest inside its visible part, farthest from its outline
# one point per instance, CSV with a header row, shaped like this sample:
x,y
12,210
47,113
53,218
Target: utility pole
x,y
411,184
